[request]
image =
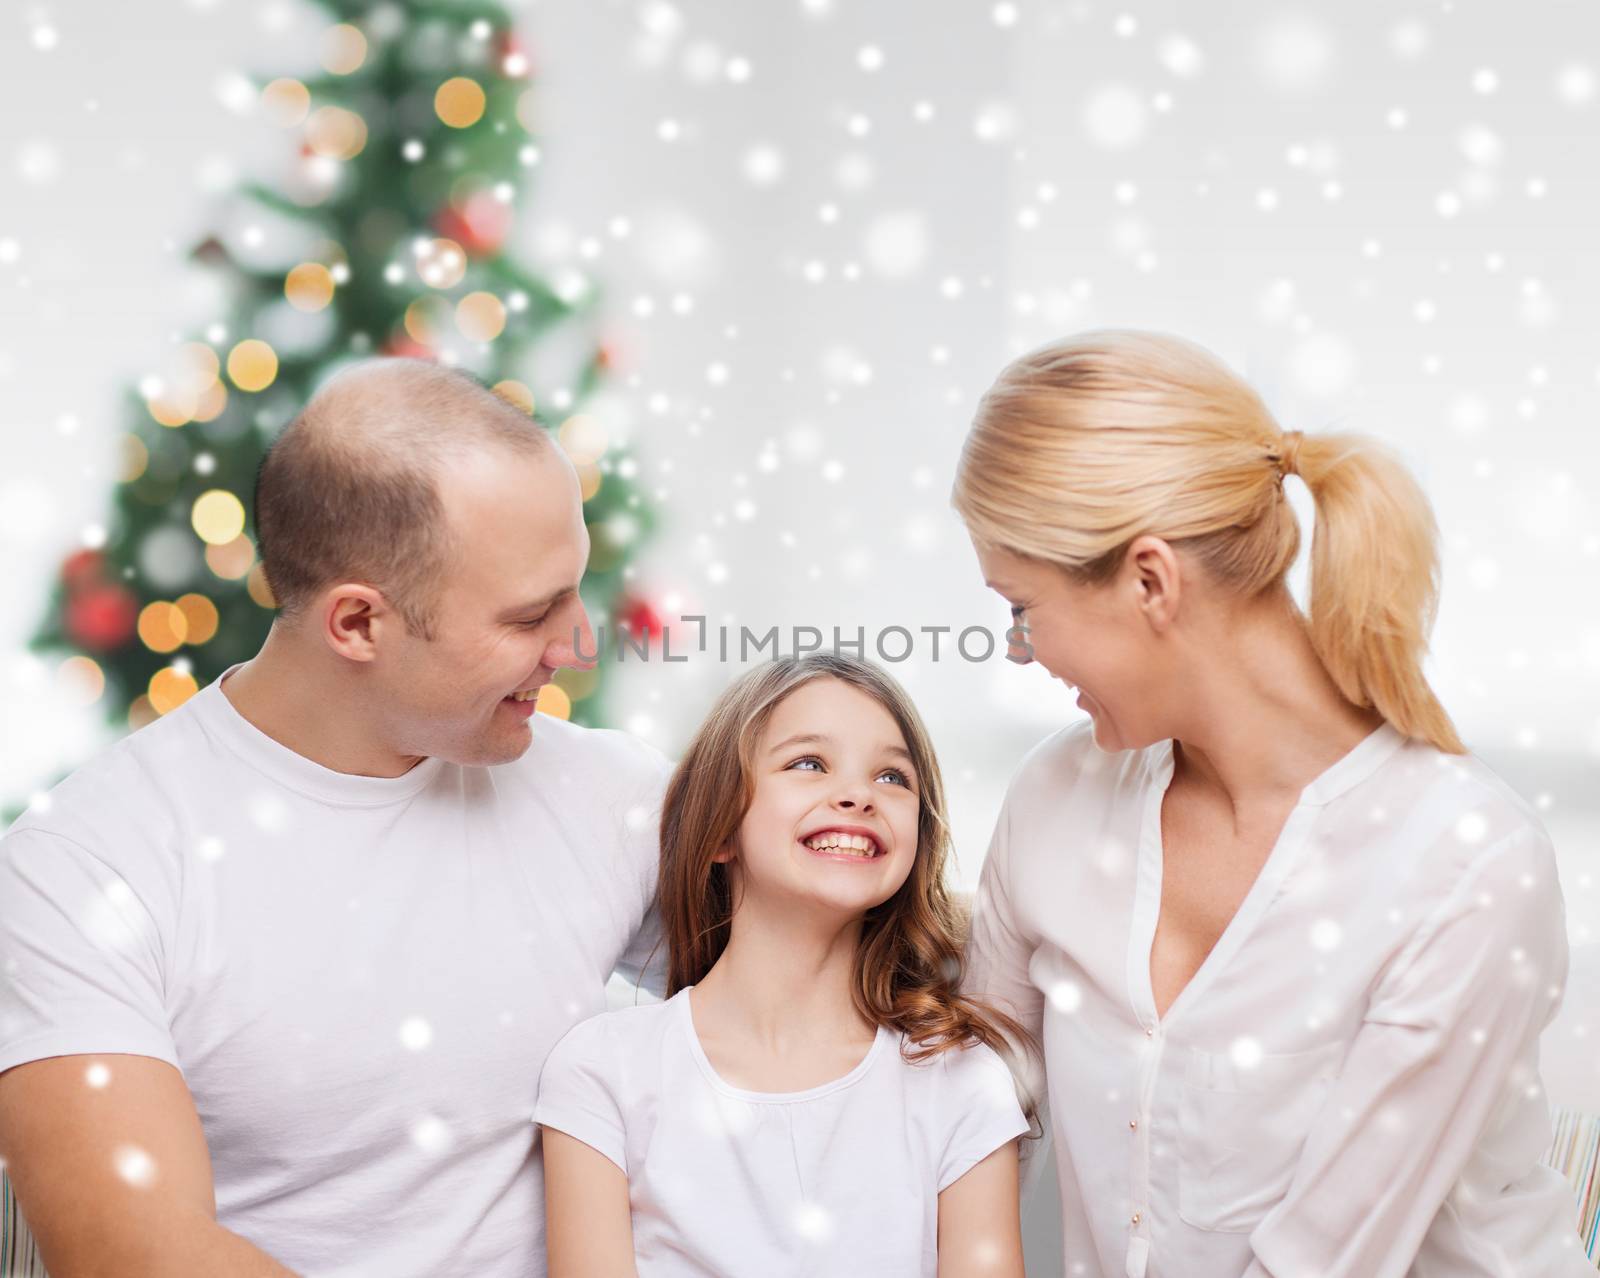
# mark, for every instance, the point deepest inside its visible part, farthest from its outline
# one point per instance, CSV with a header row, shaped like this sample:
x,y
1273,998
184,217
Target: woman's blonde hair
x,y
1082,446
908,962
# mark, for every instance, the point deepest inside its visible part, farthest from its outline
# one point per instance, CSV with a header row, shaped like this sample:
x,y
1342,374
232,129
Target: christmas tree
x,y
414,143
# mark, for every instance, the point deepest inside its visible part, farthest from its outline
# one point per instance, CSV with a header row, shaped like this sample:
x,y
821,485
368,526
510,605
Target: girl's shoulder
x,y
969,1069
602,1042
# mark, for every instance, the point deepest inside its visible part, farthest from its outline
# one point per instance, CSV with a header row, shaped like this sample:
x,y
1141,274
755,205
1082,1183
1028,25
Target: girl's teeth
x,y
852,844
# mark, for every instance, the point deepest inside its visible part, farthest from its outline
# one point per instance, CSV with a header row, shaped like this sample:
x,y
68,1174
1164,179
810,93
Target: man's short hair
x,y
349,492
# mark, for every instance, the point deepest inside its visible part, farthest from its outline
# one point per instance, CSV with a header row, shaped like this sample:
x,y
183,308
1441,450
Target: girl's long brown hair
x,y
908,964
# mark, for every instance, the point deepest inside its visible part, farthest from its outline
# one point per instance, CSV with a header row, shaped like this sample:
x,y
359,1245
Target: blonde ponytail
x,y
1084,445
1374,581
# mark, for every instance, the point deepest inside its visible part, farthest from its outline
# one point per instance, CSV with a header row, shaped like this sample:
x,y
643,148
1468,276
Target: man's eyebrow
x,y
538,605
819,738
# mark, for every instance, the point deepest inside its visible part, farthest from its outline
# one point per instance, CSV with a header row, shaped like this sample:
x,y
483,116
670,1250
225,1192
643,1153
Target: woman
x,y
814,1097
1288,946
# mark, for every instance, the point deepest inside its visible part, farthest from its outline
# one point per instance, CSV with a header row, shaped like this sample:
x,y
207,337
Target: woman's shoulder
x,y
1069,757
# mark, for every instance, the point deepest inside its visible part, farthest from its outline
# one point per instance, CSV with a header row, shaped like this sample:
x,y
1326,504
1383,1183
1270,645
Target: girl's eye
x,y
886,772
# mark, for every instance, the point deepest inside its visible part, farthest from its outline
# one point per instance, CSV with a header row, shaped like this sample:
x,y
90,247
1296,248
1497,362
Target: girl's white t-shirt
x,y
839,1179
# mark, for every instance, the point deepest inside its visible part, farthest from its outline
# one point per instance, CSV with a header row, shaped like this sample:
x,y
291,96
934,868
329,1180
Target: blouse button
x,y
1136,1218
1149,1032
1133,1123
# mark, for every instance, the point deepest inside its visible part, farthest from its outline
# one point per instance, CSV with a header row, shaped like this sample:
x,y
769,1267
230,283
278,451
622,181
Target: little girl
x,y
814,1097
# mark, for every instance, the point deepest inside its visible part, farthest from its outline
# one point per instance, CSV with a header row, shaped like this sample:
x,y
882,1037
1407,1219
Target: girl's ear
x,y
724,854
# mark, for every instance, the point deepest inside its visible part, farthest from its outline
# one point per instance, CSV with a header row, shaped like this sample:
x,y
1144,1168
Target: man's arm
x,y
112,1173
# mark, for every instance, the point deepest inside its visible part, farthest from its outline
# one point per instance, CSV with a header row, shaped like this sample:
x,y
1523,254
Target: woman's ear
x,y
724,854
1157,579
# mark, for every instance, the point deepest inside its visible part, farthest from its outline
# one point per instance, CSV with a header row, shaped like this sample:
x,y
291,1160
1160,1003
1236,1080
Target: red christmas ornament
x,y
480,225
101,618
83,568
507,46
639,617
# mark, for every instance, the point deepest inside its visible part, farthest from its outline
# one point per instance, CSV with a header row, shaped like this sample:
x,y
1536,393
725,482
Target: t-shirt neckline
x,y
294,770
686,1017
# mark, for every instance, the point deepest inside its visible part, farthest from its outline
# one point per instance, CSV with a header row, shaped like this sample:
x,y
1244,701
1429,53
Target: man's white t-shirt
x,y
359,977
843,1178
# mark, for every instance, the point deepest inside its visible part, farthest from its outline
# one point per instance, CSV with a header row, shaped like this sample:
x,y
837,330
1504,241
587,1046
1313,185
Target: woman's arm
x,y
588,1223
980,1222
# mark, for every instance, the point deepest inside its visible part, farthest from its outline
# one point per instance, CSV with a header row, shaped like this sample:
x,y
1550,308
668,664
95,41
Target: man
x,y
278,972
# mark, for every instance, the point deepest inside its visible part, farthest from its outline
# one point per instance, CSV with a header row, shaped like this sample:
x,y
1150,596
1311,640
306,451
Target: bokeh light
x,y
132,458
337,133
217,516
252,365
256,585
481,316
286,102
170,688
515,392
232,559
343,49
200,616
162,627
583,438
309,286
441,263
81,679
554,702
459,102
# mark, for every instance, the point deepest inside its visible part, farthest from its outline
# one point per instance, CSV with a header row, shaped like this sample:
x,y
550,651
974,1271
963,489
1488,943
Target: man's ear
x,y
1157,579
355,617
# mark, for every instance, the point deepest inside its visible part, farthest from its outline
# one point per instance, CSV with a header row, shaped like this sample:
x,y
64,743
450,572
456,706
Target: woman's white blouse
x,y
1348,1087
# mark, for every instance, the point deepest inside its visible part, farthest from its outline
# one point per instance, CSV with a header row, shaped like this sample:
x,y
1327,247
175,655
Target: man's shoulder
x,y
134,784
606,759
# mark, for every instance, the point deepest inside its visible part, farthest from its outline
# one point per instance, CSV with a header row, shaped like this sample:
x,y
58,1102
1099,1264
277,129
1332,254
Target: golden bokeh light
x,y
212,401
515,392
481,317
132,458
252,365
589,479
459,102
554,702
336,132
423,319
309,286
286,102
200,615
344,49
441,263
162,627
197,366
81,679
217,516
170,688
233,559
170,408
256,584
583,438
